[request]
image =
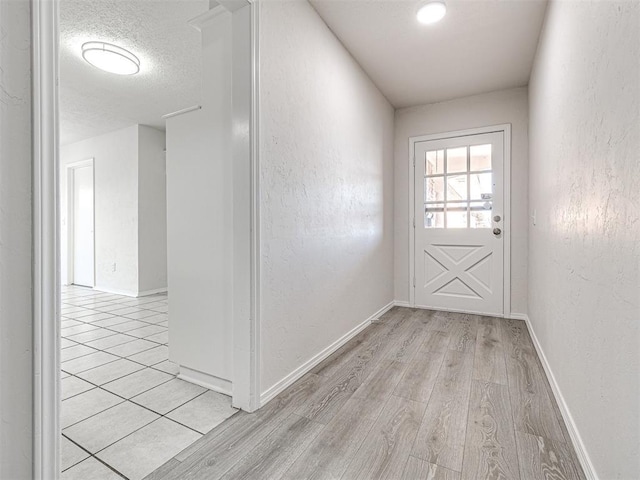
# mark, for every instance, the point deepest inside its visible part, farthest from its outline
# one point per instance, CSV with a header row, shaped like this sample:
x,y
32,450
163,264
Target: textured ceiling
x,y
93,102
479,46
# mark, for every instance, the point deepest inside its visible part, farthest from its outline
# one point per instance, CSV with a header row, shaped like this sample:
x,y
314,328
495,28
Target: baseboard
x,y
285,382
456,310
130,293
399,303
126,293
576,439
152,292
517,316
376,316
205,380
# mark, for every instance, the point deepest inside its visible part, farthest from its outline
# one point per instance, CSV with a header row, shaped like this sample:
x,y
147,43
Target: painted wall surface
x,y
130,208
200,218
326,162
152,210
116,206
584,260
16,316
506,106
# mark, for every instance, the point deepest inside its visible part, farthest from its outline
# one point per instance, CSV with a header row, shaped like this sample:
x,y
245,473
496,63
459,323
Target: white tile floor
x,y
124,412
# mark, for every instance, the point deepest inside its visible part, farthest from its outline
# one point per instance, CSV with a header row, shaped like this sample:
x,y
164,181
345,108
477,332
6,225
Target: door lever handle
x,y
497,231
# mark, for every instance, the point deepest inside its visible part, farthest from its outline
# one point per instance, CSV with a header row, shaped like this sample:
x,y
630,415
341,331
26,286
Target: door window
x,y
458,189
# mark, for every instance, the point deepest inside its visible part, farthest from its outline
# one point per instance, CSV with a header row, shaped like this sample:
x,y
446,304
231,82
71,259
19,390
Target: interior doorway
x,y
55,299
81,223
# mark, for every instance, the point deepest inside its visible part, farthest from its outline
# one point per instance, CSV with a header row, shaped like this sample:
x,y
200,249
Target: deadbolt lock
x,y
497,218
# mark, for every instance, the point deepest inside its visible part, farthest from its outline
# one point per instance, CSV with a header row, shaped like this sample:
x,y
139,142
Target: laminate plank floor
x,y
419,394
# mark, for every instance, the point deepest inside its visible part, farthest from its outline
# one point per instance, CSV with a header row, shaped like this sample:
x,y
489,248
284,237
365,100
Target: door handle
x,y
497,231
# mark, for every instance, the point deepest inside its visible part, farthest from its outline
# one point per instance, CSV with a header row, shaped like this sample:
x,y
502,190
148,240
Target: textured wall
x,y
584,259
16,319
327,190
115,157
505,106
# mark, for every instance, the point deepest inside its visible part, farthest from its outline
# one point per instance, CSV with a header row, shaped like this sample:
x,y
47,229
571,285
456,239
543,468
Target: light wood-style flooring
x,y
419,395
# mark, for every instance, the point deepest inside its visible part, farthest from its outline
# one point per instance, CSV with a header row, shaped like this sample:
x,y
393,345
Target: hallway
x,y
418,395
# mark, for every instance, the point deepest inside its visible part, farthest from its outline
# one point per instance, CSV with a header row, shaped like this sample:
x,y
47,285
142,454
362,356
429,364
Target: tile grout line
x,y
91,455
120,357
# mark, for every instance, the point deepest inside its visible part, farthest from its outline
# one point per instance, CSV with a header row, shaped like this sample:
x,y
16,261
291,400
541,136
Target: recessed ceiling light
x,y
431,12
110,58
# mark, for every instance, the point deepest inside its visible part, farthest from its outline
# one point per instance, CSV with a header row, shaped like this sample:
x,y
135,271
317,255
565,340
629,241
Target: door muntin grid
x,y
458,187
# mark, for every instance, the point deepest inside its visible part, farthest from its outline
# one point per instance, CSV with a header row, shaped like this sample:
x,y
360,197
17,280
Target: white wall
x,y
584,261
200,220
130,208
505,106
16,318
326,161
116,206
152,210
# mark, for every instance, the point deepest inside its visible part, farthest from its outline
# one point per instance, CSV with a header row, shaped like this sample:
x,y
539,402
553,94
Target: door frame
x,y
505,129
46,241
71,198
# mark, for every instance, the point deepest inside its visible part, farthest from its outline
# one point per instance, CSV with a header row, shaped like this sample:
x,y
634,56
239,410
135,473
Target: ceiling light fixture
x,y
431,12
110,58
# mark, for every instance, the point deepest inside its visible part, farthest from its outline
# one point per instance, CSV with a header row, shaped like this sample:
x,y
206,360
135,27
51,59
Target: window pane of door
x,y
481,184
456,187
434,163
434,189
456,160
434,215
480,215
456,219
480,157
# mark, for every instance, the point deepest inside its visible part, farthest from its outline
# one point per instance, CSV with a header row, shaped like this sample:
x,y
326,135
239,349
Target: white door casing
x,y
82,224
459,199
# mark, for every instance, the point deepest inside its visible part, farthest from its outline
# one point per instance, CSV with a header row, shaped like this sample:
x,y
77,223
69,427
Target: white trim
x,y
401,303
116,291
457,310
153,292
203,19
572,428
291,378
129,293
513,316
254,387
506,180
376,316
506,210
217,384
181,112
46,264
71,199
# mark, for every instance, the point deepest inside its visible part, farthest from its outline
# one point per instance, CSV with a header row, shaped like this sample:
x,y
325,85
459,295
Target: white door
x,y
458,223
83,226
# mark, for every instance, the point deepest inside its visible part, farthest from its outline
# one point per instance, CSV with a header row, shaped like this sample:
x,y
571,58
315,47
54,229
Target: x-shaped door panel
x,y
458,270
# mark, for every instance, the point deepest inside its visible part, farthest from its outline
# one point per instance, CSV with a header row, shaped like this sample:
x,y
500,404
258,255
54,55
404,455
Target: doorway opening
x,y
80,231
123,192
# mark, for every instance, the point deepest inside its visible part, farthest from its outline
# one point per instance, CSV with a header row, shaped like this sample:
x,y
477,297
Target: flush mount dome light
x,y
431,12
110,58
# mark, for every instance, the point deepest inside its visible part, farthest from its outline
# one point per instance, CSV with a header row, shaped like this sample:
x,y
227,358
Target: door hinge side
x,y
414,222
414,281
414,161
